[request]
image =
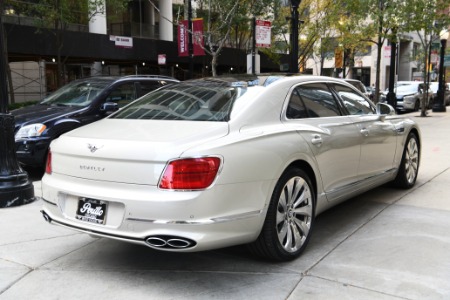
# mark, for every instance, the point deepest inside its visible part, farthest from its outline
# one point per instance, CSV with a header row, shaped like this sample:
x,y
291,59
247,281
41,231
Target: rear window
x,y
196,101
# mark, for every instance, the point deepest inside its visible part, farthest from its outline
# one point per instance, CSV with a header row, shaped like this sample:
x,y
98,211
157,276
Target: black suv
x,y
78,103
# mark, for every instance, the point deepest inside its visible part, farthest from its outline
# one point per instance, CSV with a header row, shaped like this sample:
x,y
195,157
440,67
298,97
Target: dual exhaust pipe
x,y
157,242
169,242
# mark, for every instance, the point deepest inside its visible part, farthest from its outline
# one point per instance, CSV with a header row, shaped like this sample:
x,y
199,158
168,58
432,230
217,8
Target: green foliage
x,y
21,104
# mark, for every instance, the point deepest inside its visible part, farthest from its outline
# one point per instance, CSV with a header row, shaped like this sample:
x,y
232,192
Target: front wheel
x,y
290,217
409,166
417,105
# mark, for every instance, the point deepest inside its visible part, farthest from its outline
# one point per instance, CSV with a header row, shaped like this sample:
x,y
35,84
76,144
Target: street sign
x,y
263,38
447,60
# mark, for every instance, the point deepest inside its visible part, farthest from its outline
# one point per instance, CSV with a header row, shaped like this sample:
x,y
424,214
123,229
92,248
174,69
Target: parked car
x,y
212,163
409,95
360,86
78,103
434,86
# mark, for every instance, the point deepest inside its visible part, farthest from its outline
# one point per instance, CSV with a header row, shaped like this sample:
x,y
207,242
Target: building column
x,y
151,18
165,20
98,25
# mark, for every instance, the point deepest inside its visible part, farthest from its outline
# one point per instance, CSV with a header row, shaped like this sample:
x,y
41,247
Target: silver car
x,y
409,95
212,163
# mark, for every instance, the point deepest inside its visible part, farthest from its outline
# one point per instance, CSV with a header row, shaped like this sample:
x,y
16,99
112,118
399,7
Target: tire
x,y
289,220
417,105
409,165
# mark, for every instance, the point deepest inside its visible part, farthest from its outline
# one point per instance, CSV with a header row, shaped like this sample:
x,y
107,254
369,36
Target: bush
x,y
21,104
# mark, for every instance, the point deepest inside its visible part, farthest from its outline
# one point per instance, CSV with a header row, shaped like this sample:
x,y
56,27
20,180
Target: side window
x,y
318,100
122,94
354,102
296,109
148,86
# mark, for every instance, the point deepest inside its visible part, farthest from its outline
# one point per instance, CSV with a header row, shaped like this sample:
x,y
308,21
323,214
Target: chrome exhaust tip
x,y
46,217
169,242
178,243
156,242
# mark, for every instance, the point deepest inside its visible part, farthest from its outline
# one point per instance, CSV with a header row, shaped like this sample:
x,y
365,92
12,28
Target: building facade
x,y
140,40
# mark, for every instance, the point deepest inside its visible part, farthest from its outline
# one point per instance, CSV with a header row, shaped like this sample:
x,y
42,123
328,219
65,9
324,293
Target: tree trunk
x,y
214,64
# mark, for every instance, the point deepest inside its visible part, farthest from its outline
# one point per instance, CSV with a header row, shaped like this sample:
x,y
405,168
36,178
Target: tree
x,y
228,24
55,16
427,18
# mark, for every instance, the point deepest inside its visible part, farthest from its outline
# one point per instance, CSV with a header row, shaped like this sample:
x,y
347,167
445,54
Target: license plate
x,y
91,210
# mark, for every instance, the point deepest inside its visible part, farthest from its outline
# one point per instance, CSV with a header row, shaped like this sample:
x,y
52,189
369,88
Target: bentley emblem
x,y
94,148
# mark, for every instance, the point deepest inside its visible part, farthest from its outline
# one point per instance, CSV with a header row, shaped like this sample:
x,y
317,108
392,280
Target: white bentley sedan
x,y
211,163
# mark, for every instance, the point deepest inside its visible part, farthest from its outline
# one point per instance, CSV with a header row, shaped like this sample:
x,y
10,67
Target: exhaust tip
x,y
169,242
46,216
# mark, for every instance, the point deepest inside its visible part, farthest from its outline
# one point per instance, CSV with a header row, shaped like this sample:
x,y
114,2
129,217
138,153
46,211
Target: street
x,y
384,244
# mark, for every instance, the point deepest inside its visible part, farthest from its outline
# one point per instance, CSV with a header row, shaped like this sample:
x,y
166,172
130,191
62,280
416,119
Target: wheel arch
x,y
307,168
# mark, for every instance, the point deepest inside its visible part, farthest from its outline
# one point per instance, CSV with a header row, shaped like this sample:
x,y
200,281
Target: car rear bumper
x,y
163,220
32,152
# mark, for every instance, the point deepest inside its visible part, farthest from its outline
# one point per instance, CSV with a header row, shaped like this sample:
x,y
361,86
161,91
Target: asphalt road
x,y
384,244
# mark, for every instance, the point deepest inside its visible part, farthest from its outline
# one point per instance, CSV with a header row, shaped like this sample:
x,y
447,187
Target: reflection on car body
x,y
211,163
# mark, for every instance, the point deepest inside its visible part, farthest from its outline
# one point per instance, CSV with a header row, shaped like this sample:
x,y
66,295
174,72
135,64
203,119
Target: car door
x,y
379,135
331,136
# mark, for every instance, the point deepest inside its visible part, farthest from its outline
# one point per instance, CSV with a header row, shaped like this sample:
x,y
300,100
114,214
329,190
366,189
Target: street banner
x,y
263,33
183,39
197,38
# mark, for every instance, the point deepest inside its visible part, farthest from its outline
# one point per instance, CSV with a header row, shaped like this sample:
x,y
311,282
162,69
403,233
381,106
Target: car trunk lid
x,y
127,151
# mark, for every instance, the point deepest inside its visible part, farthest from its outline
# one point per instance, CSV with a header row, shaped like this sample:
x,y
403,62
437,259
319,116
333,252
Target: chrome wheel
x,y
290,218
409,165
411,161
294,214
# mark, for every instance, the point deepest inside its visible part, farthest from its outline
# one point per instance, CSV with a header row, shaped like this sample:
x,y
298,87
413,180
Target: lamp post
x,y
190,42
294,35
15,187
439,105
391,97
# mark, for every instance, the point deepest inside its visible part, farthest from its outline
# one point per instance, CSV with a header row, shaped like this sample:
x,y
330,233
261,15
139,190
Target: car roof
x,y
127,78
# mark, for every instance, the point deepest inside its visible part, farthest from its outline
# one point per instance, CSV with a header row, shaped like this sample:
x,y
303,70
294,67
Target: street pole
x,y
439,105
391,97
294,28
15,187
190,44
254,46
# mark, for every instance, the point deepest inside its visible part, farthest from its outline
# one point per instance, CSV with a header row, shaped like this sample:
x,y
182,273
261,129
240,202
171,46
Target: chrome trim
x,y
46,201
201,222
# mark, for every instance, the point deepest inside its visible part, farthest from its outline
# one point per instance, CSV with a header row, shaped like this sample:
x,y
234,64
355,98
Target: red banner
x,y
183,39
197,38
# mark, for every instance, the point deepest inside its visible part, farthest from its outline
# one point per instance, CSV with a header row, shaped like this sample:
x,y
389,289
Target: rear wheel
x,y
289,219
409,166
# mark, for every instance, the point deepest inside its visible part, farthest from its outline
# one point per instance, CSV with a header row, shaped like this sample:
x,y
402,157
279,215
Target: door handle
x,y
316,140
364,132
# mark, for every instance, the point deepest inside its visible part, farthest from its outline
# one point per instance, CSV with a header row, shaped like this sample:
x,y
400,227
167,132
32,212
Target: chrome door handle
x,y
316,140
364,132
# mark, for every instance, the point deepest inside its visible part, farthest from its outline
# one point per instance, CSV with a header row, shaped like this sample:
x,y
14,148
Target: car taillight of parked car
x,y
190,173
48,164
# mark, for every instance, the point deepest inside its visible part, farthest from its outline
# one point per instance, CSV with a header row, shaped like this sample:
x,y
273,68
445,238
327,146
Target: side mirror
x,y
109,107
384,109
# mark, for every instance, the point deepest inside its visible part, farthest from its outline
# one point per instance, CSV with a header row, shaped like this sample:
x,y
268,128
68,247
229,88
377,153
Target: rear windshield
x,y
185,101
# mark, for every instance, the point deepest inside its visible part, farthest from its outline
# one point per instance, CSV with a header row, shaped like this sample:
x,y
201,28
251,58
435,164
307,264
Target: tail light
x,y
190,173
48,163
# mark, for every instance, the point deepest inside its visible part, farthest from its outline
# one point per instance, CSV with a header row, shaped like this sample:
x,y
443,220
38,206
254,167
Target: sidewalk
x,y
384,244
